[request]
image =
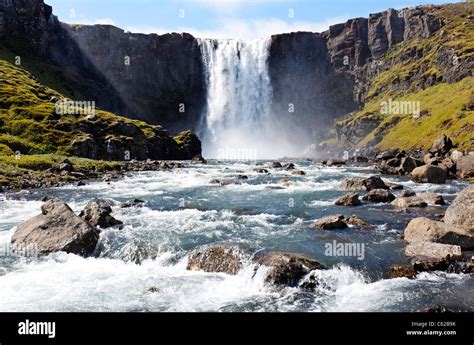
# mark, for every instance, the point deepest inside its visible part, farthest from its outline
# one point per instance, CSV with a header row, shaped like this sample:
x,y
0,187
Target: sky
x,y
244,19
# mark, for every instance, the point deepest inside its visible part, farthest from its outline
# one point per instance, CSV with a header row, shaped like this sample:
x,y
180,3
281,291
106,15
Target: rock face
x,y
217,259
58,228
148,76
374,182
350,199
153,76
286,268
97,212
331,222
461,212
427,230
429,174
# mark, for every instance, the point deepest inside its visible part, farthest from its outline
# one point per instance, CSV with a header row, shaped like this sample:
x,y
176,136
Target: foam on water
x,y
183,211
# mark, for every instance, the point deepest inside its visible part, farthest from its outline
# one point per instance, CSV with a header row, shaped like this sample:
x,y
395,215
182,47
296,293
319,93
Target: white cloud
x,y
231,5
246,29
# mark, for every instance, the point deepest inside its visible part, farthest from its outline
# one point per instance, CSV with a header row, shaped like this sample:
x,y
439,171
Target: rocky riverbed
x,y
234,236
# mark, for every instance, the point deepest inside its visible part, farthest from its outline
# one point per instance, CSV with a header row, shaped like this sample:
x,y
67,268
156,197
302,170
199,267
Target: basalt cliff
x,y
335,81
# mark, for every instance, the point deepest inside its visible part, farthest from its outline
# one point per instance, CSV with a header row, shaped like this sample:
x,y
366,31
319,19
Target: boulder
x,y
465,167
429,256
66,165
331,222
217,259
298,173
410,201
429,174
461,211
442,145
399,271
429,159
373,182
276,165
455,155
132,203
56,229
333,162
224,182
394,186
378,195
356,221
289,166
287,268
448,165
407,165
426,230
406,193
97,212
198,159
431,198
350,199
261,170
388,154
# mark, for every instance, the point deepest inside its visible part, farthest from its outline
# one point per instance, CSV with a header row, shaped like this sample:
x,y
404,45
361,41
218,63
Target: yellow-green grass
x,y
11,164
444,106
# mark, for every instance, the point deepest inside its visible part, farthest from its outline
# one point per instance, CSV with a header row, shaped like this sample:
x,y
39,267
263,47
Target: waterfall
x,y
237,123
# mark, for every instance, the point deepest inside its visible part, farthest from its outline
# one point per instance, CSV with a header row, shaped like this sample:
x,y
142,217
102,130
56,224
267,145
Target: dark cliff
x,y
158,79
328,75
316,77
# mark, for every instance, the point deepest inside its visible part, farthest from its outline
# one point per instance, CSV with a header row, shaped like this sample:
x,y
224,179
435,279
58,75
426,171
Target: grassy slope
x,y
444,104
32,136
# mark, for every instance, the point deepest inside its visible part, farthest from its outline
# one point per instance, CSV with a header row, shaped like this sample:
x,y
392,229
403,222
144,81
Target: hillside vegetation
x,y
30,124
420,71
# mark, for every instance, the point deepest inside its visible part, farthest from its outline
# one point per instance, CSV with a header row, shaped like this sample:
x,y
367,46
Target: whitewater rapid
x,y
184,211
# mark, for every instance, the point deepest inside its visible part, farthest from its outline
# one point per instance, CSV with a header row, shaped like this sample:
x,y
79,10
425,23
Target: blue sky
x,y
222,18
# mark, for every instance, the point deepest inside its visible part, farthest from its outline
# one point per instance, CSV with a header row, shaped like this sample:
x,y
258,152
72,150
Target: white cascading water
x,y
238,122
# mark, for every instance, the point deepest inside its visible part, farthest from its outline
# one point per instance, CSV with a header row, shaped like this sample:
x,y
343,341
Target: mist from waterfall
x,y
238,122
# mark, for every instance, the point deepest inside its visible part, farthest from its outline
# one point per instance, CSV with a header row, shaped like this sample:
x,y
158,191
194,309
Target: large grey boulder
x,y
373,182
378,195
218,259
431,198
426,230
287,268
350,199
57,229
465,166
429,251
97,212
461,212
331,222
409,201
429,174
442,145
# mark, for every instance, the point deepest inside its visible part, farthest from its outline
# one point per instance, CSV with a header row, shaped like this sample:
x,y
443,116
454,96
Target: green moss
x,y
11,164
5,150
